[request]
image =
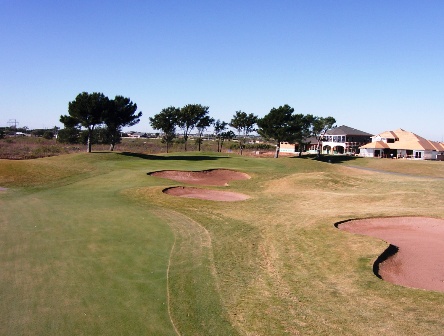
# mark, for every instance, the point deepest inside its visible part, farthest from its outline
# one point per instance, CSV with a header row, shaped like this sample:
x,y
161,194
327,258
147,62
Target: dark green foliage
x,y
201,125
228,135
87,111
253,147
48,135
244,124
189,117
90,110
320,126
120,112
69,135
100,136
166,121
38,132
219,128
282,125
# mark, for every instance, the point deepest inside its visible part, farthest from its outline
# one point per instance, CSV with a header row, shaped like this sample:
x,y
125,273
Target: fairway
x,y
90,245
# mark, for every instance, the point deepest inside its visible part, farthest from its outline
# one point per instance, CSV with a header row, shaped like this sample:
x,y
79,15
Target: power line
x,y
13,123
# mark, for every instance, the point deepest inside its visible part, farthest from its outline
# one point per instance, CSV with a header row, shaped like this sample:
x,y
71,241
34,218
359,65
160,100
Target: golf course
x,y
91,244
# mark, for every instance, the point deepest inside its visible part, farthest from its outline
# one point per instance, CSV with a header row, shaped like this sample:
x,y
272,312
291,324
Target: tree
x,y
86,110
320,126
48,135
305,130
228,135
244,124
201,125
277,125
166,121
219,128
120,112
69,135
189,117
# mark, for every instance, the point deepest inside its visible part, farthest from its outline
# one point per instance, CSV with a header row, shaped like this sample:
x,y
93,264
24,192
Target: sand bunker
x,y
214,177
212,195
415,257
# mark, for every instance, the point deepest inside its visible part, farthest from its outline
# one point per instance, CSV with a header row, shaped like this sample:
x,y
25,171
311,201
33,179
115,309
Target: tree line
x,y
91,110
281,124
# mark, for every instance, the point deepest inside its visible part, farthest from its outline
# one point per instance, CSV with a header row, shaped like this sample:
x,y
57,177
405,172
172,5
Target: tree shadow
x,y
336,158
327,158
174,157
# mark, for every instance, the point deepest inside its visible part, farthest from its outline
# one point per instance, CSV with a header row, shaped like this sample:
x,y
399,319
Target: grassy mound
x,y
90,245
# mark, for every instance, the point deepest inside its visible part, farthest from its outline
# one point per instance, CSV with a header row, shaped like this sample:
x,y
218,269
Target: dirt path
x,y
394,173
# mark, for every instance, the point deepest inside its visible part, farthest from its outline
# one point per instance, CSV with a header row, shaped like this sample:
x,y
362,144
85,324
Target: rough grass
x,y
93,247
22,148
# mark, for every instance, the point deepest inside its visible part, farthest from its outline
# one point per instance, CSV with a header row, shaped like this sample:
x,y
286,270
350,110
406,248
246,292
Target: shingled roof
x,y
405,140
345,130
376,145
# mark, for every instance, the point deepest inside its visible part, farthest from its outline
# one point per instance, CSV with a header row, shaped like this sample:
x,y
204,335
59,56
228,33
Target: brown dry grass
x,y
285,269
271,265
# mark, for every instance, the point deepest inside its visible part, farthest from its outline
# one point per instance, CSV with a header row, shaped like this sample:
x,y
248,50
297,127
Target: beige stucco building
x,y
402,144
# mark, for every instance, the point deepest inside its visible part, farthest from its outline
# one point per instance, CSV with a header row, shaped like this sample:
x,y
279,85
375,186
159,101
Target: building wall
x,y
286,147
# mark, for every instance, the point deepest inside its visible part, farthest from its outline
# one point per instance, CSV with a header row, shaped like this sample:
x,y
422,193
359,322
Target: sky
x,y
374,65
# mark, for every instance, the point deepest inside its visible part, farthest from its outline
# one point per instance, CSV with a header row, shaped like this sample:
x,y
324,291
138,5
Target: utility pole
x,y
13,123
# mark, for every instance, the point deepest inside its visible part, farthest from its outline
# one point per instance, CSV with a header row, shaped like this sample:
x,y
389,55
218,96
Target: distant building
x,y
344,140
402,144
137,135
338,140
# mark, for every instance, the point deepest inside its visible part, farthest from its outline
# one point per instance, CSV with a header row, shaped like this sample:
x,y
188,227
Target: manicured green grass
x,y
89,245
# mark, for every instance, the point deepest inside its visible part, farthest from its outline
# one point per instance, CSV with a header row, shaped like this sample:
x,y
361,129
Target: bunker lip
x,y
205,194
415,256
211,177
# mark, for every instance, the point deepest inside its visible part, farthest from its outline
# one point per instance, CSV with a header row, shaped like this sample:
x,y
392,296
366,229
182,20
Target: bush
x,y
252,147
48,135
68,135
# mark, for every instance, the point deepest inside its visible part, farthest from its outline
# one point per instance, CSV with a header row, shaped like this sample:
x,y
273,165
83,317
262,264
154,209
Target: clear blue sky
x,y
374,65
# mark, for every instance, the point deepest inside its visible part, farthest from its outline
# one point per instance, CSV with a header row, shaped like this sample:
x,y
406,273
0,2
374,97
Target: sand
x,y
416,255
215,177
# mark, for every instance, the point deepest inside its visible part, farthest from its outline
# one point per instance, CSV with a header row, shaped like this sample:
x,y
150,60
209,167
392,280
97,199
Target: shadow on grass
x,y
327,158
174,157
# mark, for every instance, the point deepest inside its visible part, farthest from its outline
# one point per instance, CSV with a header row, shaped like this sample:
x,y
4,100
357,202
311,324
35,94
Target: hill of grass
x,y
89,245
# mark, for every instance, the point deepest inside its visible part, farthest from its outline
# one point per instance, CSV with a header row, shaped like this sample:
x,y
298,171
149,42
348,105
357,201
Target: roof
x,y
406,140
376,145
311,140
387,134
345,130
438,145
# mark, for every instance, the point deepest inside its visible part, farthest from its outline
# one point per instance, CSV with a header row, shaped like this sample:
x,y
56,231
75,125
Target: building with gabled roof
x,y
402,144
338,140
344,140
